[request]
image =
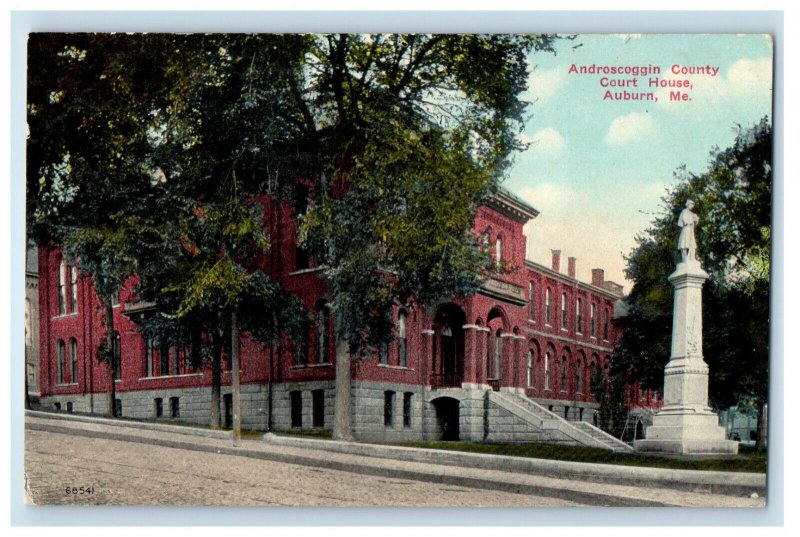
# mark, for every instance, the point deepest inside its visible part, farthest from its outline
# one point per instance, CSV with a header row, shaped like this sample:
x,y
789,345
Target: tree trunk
x,y
216,381
342,411
112,357
235,387
761,442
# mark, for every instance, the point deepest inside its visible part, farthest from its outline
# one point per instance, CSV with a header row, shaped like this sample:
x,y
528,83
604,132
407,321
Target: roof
x,y
511,206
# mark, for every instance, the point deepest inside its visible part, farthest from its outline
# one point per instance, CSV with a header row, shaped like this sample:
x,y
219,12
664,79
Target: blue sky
x,y
598,168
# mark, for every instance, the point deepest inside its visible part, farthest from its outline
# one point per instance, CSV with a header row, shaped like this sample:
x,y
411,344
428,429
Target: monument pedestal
x,y
686,424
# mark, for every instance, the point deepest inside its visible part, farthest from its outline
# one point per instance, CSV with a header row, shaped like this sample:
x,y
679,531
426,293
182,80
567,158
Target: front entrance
x,y
447,416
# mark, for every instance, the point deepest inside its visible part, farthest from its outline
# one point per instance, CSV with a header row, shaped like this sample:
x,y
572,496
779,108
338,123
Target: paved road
x,y
131,473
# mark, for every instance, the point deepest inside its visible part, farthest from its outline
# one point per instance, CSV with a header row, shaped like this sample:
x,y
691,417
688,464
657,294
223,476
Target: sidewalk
x,y
582,483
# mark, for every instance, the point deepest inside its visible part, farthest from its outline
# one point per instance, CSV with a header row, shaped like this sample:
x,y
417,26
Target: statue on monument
x,y
687,221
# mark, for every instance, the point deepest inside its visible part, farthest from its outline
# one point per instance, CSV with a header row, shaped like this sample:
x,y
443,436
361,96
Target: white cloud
x,y
745,78
545,83
630,128
750,76
547,139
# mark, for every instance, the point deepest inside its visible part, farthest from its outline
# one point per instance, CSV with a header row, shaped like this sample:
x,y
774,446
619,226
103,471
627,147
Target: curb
x,y
159,427
729,483
586,498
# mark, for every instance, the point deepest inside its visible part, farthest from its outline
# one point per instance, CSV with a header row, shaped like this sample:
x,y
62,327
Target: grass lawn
x,y
748,460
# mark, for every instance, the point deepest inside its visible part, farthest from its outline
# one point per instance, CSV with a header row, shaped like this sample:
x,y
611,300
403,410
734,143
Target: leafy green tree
x,y
398,137
733,200
404,135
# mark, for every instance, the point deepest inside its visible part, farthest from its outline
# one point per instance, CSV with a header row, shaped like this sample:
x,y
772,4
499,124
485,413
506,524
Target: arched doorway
x,y
448,328
447,416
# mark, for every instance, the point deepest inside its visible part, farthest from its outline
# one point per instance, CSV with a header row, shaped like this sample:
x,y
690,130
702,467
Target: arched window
x,y
402,340
531,378
60,357
73,360
548,311
323,334
592,322
498,250
531,302
564,311
73,289
579,377
547,371
563,373
578,317
62,288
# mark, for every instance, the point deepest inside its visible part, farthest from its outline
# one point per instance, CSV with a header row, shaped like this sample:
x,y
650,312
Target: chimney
x,y
598,277
571,267
556,260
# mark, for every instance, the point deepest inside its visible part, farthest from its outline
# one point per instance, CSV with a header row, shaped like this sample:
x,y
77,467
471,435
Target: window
x,y
57,406
563,373
566,412
531,302
149,351
579,377
62,288
564,311
174,407
547,371
115,300
301,258
548,308
117,357
578,317
318,408
402,341
69,407
118,407
323,334
605,325
530,368
296,404
388,404
407,409
484,241
498,251
73,360
159,407
60,358
591,321
73,288
28,324
163,362
383,353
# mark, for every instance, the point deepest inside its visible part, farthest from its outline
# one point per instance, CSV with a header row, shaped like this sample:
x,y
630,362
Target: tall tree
x,y
403,136
733,200
398,137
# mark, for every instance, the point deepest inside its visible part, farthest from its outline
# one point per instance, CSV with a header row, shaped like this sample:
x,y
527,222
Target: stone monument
x,y
686,424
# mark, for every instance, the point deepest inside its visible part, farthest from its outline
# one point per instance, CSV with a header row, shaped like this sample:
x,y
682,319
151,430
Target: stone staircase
x,y
556,427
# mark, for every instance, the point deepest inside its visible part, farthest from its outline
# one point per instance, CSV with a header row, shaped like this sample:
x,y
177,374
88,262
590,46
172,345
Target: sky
x,y
598,167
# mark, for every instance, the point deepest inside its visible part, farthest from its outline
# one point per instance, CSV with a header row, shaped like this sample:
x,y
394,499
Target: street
x,y
131,473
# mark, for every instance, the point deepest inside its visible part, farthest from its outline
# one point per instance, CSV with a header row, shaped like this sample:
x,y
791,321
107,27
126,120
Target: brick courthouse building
x,y
512,362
